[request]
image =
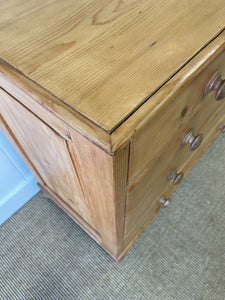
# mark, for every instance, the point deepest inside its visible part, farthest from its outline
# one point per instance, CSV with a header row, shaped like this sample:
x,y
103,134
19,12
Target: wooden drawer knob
x,y
194,141
164,201
217,84
222,128
176,177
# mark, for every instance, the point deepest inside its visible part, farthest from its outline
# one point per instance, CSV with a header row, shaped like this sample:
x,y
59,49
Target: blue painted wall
x,y
17,184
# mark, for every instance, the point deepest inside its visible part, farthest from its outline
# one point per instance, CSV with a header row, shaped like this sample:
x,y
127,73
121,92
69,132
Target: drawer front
x,y
173,117
145,192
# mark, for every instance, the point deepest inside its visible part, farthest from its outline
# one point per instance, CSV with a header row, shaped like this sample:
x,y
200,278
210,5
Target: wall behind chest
x,y
17,184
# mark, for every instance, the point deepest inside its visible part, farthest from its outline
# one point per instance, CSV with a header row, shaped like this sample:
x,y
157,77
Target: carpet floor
x,y
180,255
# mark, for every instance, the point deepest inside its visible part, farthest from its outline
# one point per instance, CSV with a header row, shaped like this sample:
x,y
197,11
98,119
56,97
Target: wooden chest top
x,y
111,103
105,58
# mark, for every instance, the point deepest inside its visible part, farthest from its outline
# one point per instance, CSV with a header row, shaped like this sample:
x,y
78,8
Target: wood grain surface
x,y
48,153
85,181
97,97
104,58
173,117
50,108
103,178
165,96
144,194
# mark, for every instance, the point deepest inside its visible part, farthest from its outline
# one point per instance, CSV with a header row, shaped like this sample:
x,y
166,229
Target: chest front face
x,y
111,104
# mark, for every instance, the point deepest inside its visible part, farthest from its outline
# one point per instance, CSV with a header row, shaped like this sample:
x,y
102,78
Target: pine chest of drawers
x,y
111,103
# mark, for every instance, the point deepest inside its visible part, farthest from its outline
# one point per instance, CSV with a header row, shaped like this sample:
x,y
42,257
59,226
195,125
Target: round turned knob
x,y
217,84
176,177
164,201
222,128
194,141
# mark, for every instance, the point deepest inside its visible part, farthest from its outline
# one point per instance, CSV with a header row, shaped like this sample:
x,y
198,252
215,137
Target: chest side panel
x,y
47,151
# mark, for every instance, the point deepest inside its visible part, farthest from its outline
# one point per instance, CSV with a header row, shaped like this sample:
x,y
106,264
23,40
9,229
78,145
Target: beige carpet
x,y
180,255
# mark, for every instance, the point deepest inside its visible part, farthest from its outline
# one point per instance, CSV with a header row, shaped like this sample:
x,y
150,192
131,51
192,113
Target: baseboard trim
x,y
17,199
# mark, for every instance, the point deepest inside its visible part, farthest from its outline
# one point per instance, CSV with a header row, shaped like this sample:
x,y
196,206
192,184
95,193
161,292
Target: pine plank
x,y
104,58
